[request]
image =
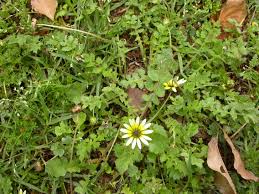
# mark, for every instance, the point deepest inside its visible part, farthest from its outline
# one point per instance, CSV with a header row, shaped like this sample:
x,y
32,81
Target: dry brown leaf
x,y
238,163
135,97
232,9
45,7
222,179
222,184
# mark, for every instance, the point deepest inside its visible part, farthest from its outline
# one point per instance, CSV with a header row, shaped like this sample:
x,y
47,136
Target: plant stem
x,y
160,108
74,30
232,136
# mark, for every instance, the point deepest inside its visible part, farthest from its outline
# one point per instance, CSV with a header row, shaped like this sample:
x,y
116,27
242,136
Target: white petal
x,y
139,144
147,125
132,122
181,81
126,126
143,122
124,130
176,78
137,120
144,141
126,136
146,138
174,89
129,141
133,143
146,132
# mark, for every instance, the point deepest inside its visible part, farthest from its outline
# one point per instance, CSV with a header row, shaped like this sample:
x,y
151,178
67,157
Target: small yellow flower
x,y
136,132
173,84
254,24
22,192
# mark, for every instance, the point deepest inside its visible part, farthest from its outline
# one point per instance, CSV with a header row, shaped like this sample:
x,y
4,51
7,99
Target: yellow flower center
x,y
136,131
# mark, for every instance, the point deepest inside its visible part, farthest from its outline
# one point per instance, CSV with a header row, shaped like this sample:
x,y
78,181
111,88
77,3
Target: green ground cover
x,y
64,96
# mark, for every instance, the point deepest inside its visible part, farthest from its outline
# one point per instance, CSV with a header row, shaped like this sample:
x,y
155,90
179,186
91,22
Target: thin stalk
x,y
106,158
74,30
160,108
232,136
71,158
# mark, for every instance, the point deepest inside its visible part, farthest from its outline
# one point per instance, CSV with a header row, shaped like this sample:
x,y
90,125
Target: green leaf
x,y
159,144
92,102
126,190
57,149
126,157
83,148
193,160
5,184
73,166
192,129
159,90
153,74
160,140
56,167
62,129
83,186
133,171
79,119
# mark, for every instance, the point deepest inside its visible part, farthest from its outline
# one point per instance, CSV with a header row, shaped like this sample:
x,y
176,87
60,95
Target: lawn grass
x,y
64,96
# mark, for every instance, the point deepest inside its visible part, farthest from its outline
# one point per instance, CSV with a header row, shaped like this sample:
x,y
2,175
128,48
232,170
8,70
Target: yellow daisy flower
x,y
173,84
136,132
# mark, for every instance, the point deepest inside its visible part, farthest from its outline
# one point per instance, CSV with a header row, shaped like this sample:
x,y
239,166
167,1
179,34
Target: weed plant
x,y
63,96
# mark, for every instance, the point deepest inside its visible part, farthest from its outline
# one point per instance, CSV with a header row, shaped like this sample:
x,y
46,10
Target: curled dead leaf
x,y
45,7
222,179
232,9
238,163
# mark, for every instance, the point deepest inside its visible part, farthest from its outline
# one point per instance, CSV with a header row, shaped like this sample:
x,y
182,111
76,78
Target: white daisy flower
x,y
22,192
136,132
173,84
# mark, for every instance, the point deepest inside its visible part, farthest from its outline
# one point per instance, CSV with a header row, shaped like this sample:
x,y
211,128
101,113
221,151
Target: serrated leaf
x,y
160,140
62,129
83,186
192,129
73,166
83,148
158,144
126,157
